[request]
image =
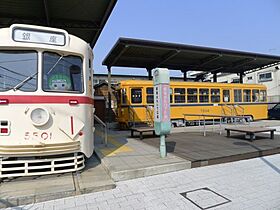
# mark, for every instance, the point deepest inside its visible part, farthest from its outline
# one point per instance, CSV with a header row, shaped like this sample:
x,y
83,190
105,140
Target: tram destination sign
x,y
38,36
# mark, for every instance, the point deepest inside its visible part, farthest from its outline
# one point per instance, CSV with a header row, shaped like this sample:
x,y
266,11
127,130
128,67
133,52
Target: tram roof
x,y
151,54
84,19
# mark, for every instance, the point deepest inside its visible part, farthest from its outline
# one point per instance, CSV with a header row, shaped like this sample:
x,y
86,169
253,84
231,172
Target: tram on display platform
x,y
135,101
46,101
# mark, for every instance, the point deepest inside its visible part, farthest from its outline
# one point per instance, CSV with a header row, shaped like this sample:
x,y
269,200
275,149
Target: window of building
x,y
215,95
136,95
235,80
262,95
255,95
249,78
247,95
203,95
264,77
237,95
226,96
150,95
180,96
192,95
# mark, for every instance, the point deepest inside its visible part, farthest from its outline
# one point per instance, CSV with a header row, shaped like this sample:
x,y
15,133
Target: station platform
x,y
128,158
190,144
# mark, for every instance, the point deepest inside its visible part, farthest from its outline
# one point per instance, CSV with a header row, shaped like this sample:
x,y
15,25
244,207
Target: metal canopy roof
x,y
84,19
151,54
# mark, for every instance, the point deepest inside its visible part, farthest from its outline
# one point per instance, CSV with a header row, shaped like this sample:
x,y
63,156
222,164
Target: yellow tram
x,y
135,101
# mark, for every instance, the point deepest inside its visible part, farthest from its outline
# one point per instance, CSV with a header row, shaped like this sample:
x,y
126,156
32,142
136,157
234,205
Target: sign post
x,y
162,122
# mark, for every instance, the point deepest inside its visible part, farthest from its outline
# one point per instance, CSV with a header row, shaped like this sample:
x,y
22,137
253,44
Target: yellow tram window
x,y
192,95
150,95
171,95
215,95
124,96
247,95
136,95
237,95
180,96
262,95
255,95
226,96
203,95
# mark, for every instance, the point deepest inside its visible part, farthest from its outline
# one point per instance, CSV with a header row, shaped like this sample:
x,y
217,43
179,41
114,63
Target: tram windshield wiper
x,y
19,85
54,65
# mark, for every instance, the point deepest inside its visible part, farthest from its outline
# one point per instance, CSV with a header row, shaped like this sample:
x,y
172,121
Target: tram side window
x,y
226,96
215,95
62,73
192,95
171,95
247,95
255,95
262,95
150,95
124,96
180,96
136,95
237,95
203,95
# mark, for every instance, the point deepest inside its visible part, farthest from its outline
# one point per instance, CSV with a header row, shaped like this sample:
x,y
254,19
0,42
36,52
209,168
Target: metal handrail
x,y
149,115
105,128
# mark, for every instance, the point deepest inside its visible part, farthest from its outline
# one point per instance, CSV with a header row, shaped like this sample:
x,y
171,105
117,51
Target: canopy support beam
x,y
215,77
184,74
47,12
149,70
241,77
109,95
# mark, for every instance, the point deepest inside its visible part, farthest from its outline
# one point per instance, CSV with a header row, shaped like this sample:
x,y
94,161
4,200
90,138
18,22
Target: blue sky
x,y
246,25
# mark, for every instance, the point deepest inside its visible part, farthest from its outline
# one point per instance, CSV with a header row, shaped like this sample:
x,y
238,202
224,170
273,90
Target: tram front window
x,y
18,70
62,73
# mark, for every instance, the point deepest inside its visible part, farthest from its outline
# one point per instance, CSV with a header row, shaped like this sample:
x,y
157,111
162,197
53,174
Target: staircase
x,y
233,111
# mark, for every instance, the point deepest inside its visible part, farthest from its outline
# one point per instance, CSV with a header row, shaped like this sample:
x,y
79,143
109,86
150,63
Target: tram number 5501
x,y
38,135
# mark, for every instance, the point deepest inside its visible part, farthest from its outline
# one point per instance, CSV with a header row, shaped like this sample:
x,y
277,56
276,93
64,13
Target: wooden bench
x,y
142,130
250,131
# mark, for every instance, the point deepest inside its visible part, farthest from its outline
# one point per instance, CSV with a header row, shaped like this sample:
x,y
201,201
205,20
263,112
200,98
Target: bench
x,y
142,130
251,131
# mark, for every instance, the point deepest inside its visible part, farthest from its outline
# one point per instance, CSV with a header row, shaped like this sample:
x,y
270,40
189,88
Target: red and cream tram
x,y
46,104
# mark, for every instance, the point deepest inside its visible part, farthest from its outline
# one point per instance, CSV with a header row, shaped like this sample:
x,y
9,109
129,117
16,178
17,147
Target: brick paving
x,y
247,184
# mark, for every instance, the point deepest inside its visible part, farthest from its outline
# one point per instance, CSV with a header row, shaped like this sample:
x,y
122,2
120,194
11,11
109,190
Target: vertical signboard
x,y
162,122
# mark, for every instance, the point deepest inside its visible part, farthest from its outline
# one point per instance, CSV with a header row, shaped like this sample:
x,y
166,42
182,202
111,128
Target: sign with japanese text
x,y
162,122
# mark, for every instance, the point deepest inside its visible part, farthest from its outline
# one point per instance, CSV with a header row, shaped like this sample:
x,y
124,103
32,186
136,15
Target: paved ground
x,y
214,148
248,184
127,158
25,190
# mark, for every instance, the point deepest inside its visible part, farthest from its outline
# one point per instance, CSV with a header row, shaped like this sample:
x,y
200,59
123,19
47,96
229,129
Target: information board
x,y
162,104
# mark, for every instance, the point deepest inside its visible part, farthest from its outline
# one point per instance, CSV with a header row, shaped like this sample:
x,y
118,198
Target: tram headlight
x,y
39,116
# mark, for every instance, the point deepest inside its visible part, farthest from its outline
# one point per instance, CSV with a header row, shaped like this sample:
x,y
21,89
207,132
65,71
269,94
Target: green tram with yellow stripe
x,y
135,101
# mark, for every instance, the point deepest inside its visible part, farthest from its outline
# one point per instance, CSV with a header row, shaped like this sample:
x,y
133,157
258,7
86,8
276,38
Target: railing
x,y
105,129
227,109
220,117
237,108
131,116
149,115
